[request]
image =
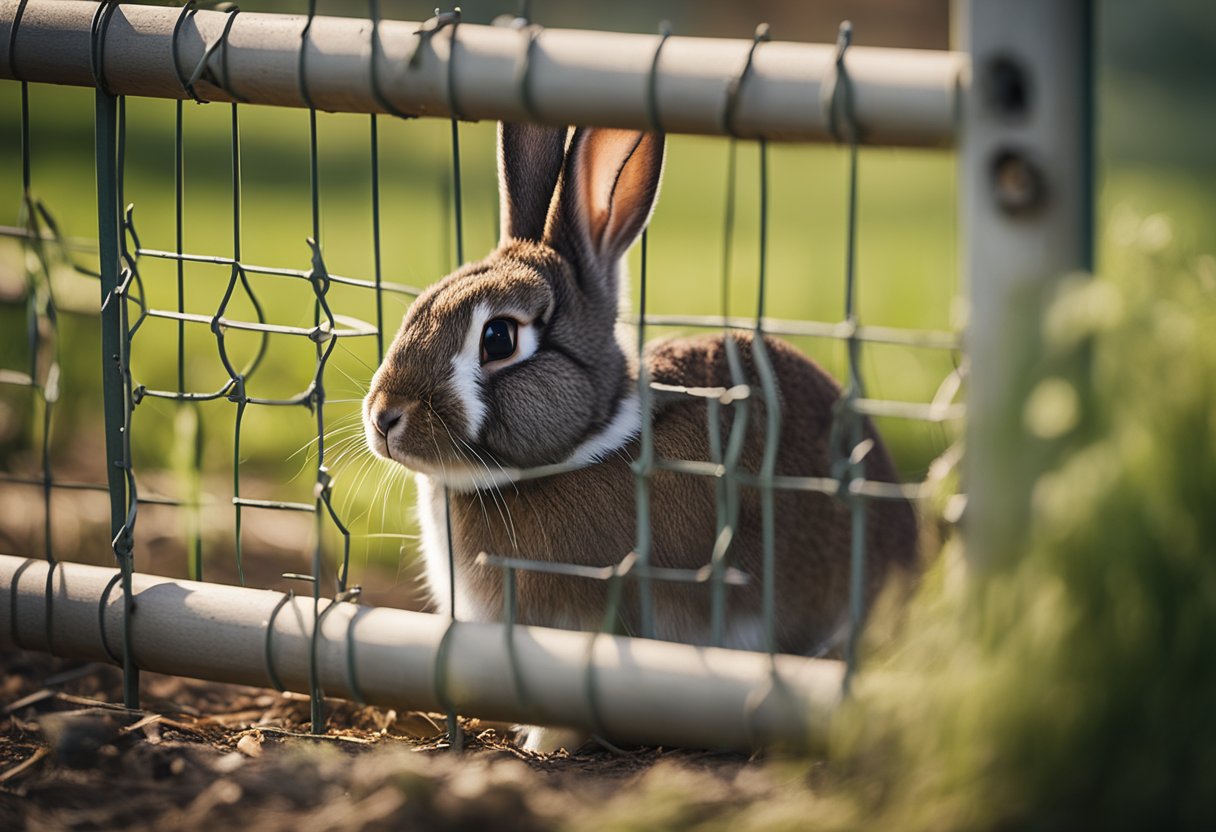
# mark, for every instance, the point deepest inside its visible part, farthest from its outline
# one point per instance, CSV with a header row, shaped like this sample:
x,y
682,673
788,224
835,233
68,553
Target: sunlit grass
x,y
907,268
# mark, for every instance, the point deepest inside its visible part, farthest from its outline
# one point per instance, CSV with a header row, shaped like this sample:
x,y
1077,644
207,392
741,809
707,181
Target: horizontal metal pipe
x,y
902,96
631,690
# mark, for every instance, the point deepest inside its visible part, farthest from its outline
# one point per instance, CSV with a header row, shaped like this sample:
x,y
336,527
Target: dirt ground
x,y
202,754
207,755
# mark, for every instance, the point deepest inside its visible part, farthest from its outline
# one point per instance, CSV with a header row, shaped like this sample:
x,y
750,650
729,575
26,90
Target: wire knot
x,y
12,41
652,81
377,53
97,41
429,29
836,97
324,484
523,82
203,71
730,110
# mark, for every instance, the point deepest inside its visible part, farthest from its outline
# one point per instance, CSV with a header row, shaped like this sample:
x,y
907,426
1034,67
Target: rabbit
x,y
518,360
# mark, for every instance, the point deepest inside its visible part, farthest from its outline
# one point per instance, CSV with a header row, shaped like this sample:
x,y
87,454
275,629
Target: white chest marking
x,y
432,523
625,425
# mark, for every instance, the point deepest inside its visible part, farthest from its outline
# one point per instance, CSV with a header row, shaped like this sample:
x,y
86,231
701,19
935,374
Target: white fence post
x,y
1026,210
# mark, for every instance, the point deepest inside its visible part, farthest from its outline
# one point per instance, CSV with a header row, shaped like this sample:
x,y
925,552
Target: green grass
x,y
907,272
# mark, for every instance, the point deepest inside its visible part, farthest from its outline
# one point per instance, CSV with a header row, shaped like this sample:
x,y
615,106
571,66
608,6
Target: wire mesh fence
x,y
128,311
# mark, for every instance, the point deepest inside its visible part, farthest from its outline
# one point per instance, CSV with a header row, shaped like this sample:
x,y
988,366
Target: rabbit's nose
x,y
386,417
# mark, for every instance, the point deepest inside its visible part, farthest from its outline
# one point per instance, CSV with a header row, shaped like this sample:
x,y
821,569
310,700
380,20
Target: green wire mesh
x,y
124,310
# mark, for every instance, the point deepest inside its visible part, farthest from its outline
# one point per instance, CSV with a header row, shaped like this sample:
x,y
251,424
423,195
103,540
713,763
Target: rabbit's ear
x,y
608,190
529,163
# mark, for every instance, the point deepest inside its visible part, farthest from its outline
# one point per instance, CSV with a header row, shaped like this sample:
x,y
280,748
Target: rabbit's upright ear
x,y
529,164
608,190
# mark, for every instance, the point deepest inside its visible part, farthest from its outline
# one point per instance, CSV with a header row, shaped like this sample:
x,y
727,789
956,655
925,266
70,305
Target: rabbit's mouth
x,y
435,462
440,460
459,473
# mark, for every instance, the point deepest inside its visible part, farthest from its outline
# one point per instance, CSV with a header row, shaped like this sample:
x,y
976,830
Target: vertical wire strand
x,y
313,174
115,348
728,230
194,509
108,129
645,464
455,738
841,113
40,308
762,282
727,487
772,412
315,699
320,283
376,247
128,277
316,696
857,501
33,315
238,391
761,35
454,731
457,193
377,261
178,204
26,164
643,467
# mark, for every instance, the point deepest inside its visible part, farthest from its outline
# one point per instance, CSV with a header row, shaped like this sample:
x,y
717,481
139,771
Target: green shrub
x,y
1073,685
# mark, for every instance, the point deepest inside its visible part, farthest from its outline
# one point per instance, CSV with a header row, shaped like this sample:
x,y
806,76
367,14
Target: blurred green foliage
x,y
1071,686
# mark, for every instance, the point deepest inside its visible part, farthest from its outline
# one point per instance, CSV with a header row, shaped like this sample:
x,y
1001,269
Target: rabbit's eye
x,y
498,340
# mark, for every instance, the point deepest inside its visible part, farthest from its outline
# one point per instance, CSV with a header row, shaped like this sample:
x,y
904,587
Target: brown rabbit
x,y
518,361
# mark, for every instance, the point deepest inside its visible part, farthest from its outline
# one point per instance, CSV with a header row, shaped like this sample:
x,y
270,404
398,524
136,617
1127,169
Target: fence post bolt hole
x,y
1006,88
1018,185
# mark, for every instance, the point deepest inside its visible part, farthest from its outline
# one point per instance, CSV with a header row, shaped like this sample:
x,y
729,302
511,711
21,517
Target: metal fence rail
x,y
760,90
451,69
629,690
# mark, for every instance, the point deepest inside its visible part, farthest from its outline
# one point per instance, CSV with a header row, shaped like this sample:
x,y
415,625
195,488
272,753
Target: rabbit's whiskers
x,y
355,356
500,503
359,386
499,498
345,424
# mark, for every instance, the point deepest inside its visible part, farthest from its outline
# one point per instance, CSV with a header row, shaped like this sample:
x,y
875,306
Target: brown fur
x,y
588,516
537,411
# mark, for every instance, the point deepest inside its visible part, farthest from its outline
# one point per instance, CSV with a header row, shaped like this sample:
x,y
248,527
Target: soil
x,y
200,754
207,755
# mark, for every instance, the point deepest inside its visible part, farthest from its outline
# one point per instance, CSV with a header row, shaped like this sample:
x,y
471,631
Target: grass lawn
x,y
907,271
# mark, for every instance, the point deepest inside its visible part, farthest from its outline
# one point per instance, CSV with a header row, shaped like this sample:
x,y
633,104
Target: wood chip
x,y
251,744
29,762
32,699
147,720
